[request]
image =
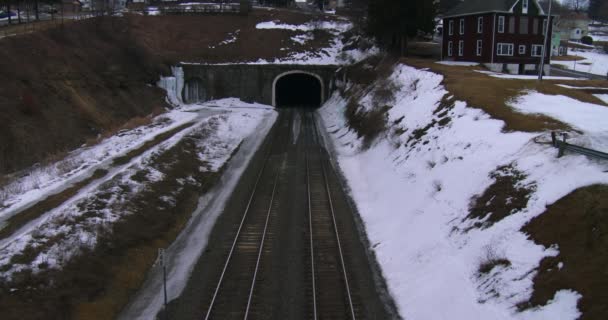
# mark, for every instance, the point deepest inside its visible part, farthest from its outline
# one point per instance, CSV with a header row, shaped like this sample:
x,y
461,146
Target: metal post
x,y
542,58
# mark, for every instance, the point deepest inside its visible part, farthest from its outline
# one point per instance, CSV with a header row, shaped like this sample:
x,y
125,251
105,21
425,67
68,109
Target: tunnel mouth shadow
x,y
298,90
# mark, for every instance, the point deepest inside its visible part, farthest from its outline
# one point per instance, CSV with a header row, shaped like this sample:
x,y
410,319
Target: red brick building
x,y
504,35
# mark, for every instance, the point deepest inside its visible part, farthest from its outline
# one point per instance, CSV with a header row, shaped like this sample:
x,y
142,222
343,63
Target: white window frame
x,y
522,49
501,24
461,26
524,6
538,47
450,48
451,27
461,48
509,47
480,25
479,47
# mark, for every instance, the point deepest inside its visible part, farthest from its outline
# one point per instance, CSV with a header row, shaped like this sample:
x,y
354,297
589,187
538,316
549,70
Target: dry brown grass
x,y
578,225
567,58
135,122
502,198
20,219
493,94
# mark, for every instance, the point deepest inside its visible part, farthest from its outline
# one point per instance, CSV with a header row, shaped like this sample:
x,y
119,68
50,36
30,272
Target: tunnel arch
x,y
194,90
282,76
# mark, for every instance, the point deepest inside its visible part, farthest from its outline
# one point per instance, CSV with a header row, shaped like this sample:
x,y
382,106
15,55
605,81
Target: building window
x,y
535,26
479,47
480,25
460,48
501,24
461,26
505,49
450,48
524,6
523,25
451,27
512,24
544,27
537,50
522,49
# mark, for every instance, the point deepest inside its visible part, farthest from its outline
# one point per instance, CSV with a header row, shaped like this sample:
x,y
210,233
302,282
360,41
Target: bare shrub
x,y
437,185
491,260
385,92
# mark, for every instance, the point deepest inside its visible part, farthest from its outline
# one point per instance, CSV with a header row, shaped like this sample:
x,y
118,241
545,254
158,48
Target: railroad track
x,y
239,291
232,296
331,296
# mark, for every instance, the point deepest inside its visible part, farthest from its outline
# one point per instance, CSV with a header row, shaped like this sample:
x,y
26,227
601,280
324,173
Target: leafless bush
x,y
437,185
490,260
385,92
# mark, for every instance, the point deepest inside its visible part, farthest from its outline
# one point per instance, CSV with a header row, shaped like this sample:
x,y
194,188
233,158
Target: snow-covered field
x,y
414,185
596,61
221,126
80,164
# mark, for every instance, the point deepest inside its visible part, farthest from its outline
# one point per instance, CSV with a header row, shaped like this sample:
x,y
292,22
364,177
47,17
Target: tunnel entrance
x,y
298,89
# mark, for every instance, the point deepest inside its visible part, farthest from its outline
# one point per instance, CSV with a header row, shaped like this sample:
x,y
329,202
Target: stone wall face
x,y
250,82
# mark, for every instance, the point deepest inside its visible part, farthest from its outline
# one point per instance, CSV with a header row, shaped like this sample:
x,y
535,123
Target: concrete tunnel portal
x,y
279,85
298,89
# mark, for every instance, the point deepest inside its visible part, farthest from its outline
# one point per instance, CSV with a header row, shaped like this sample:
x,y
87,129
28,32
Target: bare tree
x,y
577,5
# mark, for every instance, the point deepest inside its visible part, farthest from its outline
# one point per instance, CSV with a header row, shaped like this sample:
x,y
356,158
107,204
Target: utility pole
x,y
542,58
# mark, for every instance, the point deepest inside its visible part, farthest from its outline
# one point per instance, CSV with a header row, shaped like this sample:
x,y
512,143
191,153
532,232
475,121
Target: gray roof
x,y
477,6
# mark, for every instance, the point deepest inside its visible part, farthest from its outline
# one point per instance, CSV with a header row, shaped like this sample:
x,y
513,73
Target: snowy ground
x,y
599,33
335,54
522,77
221,126
414,185
596,61
184,252
39,182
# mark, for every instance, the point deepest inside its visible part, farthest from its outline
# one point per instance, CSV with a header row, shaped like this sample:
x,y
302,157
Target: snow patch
x,y
413,188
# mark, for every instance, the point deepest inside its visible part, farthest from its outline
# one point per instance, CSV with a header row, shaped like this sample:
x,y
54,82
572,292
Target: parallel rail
x,y
238,276
332,298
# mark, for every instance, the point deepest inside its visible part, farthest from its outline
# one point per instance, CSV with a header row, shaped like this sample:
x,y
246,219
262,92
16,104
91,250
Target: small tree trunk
x,y
8,10
403,44
36,10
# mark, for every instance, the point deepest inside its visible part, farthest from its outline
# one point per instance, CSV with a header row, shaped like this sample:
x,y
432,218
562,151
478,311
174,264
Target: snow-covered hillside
x,y
415,186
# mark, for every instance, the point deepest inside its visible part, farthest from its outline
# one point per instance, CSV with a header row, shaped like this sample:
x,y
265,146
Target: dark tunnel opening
x,y
298,90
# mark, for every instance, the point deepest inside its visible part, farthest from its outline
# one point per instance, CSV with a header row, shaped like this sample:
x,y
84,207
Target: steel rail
x,y
333,216
257,264
251,197
312,250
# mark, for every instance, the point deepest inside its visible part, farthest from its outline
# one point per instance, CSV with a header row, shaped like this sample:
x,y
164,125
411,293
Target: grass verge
x,y
97,283
492,95
501,199
578,225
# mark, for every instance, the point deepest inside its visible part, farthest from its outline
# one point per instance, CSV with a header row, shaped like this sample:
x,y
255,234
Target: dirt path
x,y
283,268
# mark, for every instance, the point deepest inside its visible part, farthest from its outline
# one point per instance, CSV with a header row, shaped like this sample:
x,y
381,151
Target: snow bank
x,y
595,62
458,63
522,77
63,225
603,97
340,26
413,187
588,117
